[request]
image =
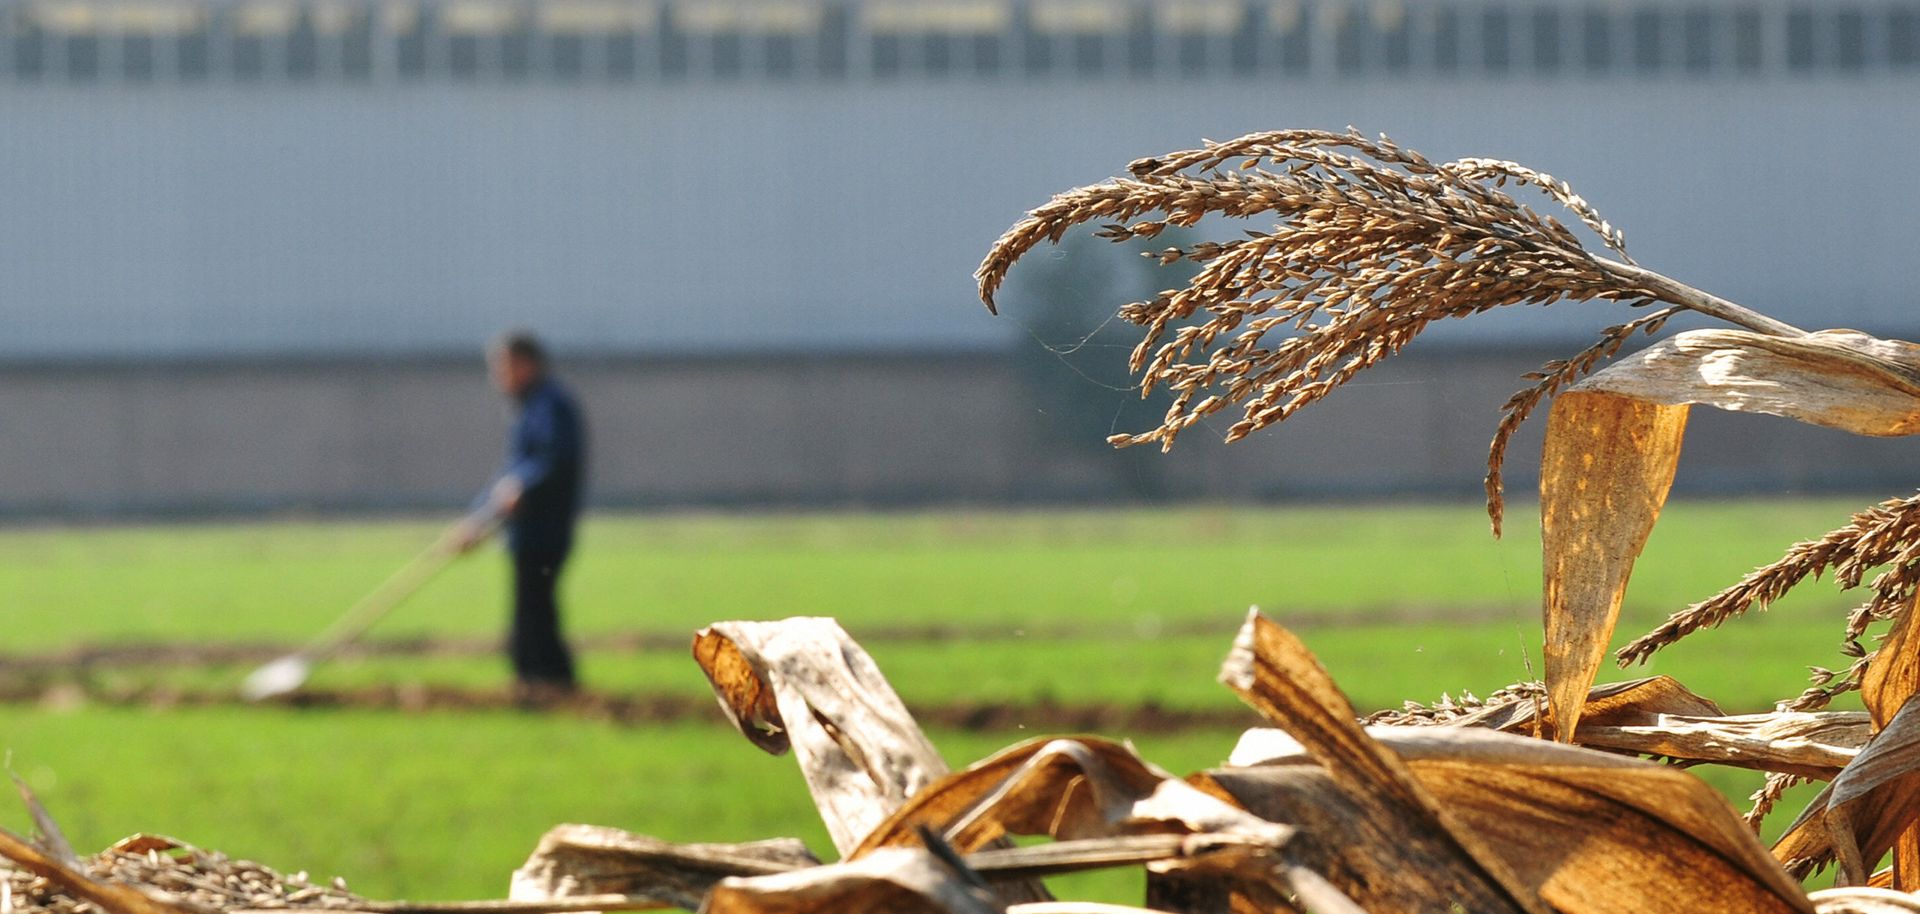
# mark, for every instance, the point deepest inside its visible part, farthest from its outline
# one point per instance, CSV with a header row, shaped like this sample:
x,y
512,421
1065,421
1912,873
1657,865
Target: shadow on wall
x,y
1072,356
1019,425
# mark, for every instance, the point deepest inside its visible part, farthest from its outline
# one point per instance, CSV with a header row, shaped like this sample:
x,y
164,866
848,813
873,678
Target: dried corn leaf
x,y
1415,855
1067,789
1659,716
803,683
1864,900
109,897
1809,744
1604,475
1891,679
1073,789
1862,814
50,838
1587,831
1840,379
1893,675
584,860
889,881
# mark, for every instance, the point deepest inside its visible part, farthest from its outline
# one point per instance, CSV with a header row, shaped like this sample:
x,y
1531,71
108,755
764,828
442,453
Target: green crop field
x,y
1021,610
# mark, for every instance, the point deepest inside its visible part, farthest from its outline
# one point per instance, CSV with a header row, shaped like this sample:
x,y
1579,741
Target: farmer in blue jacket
x,y
537,496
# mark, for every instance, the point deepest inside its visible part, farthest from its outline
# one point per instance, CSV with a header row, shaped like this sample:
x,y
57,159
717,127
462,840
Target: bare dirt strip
x,y
206,654
624,710
59,679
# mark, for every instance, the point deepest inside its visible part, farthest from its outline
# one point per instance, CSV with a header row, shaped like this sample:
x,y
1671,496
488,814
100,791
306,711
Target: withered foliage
x,y
1445,809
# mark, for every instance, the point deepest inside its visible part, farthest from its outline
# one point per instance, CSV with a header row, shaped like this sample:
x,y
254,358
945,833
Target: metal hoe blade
x,y
277,678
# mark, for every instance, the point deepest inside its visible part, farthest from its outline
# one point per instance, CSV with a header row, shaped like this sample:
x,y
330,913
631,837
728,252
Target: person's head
x,y
515,361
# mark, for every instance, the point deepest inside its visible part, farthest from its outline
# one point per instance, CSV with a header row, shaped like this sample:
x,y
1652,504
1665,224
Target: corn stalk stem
x,y
1672,290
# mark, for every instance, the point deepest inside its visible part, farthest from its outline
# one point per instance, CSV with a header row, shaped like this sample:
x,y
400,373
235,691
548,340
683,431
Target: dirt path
x,y
626,710
201,654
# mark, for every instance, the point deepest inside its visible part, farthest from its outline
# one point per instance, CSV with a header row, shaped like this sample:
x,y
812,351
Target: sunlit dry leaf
x,y
1861,815
888,881
1840,379
1089,788
1815,745
1892,677
1587,831
1652,716
1810,744
1415,856
1864,900
1604,475
1065,789
583,860
803,683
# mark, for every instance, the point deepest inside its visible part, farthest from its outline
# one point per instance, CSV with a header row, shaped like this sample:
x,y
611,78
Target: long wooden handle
x,y
393,591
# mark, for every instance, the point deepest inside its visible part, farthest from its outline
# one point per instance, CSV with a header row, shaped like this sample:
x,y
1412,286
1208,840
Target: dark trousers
x,y
539,656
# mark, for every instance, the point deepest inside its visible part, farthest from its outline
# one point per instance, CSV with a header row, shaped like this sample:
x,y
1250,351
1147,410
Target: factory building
x,y
249,249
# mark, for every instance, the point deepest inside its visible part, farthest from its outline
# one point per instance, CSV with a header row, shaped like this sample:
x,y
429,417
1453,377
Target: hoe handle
x,y
393,591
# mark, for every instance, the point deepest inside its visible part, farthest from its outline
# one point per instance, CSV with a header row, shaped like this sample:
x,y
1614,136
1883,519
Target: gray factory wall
x,y
789,430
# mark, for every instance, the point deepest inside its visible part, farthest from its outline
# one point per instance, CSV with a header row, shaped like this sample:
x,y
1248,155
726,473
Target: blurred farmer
x,y
537,495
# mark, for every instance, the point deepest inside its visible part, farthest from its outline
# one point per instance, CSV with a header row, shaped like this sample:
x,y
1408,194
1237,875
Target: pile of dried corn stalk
x,y
1458,810
1461,807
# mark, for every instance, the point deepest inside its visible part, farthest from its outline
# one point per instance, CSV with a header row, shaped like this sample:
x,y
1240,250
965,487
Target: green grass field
x,y
1069,606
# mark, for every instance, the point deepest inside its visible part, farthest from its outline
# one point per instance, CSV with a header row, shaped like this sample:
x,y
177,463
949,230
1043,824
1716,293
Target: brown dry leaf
x,y
1067,789
1089,788
1614,439
803,683
1841,379
1809,744
1862,814
584,860
1589,832
1814,745
108,897
1604,475
888,881
1652,716
1893,675
1415,856
1578,830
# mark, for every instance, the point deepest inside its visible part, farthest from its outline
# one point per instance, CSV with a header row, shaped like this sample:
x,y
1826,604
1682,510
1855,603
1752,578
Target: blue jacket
x,y
546,452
